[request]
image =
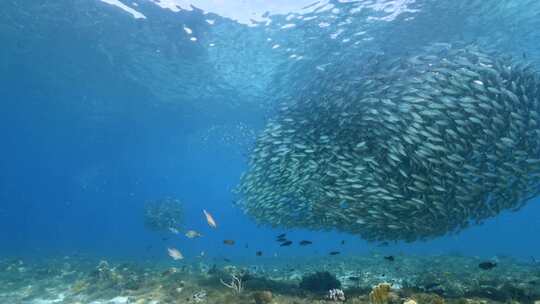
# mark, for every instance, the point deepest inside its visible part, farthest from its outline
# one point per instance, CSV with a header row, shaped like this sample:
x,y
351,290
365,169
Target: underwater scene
x,y
269,152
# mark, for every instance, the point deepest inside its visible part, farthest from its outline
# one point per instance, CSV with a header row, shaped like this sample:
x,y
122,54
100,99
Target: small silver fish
x,y
209,219
175,254
190,234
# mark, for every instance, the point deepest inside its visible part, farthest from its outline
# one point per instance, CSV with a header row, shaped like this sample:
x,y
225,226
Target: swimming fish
x,y
175,254
389,258
286,243
258,253
305,243
444,126
190,234
487,265
334,252
173,230
228,242
209,219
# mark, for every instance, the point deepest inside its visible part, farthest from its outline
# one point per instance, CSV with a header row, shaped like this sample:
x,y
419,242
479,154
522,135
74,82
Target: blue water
x,y
101,112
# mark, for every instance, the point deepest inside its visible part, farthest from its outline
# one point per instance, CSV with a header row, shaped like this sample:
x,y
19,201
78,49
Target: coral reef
x,y
380,294
236,284
320,282
336,295
457,280
262,297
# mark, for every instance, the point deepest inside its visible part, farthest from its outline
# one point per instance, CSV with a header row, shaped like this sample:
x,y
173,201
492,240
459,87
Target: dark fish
x,y
258,253
342,242
305,242
281,240
487,265
281,236
226,260
384,244
286,243
431,286
334,252
165,238
228,242
354,279
247,245
389,258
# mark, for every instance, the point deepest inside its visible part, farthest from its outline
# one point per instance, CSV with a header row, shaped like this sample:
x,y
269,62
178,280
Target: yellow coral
x,y
380,294
79,287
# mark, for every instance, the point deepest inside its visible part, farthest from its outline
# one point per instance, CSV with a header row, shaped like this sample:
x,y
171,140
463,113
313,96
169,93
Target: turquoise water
x,y
110,106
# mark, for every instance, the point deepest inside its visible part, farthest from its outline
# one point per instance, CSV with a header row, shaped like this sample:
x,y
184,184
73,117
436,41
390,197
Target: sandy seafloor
x,y
422,279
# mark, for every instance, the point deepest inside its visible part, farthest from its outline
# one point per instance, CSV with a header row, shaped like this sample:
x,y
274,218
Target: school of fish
x,y
426,145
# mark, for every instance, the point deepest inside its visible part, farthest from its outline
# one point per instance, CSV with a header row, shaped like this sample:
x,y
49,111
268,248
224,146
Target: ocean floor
x,y
363,279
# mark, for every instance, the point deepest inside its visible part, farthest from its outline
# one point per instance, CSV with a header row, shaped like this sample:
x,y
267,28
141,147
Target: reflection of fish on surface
x,y
209,219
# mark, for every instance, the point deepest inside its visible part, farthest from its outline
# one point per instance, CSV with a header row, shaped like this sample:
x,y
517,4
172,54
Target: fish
x,y
209,219
229,242
422,138
431,286
280,236
190,234
487,265
305,243
259,253
173,230
389,258
175,254
286,243
334,253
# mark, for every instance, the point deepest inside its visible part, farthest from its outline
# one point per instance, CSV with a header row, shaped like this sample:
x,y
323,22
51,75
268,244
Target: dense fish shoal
x,y
423,146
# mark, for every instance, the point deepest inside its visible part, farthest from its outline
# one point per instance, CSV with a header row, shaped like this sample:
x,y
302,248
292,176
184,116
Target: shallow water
x,y
110,106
